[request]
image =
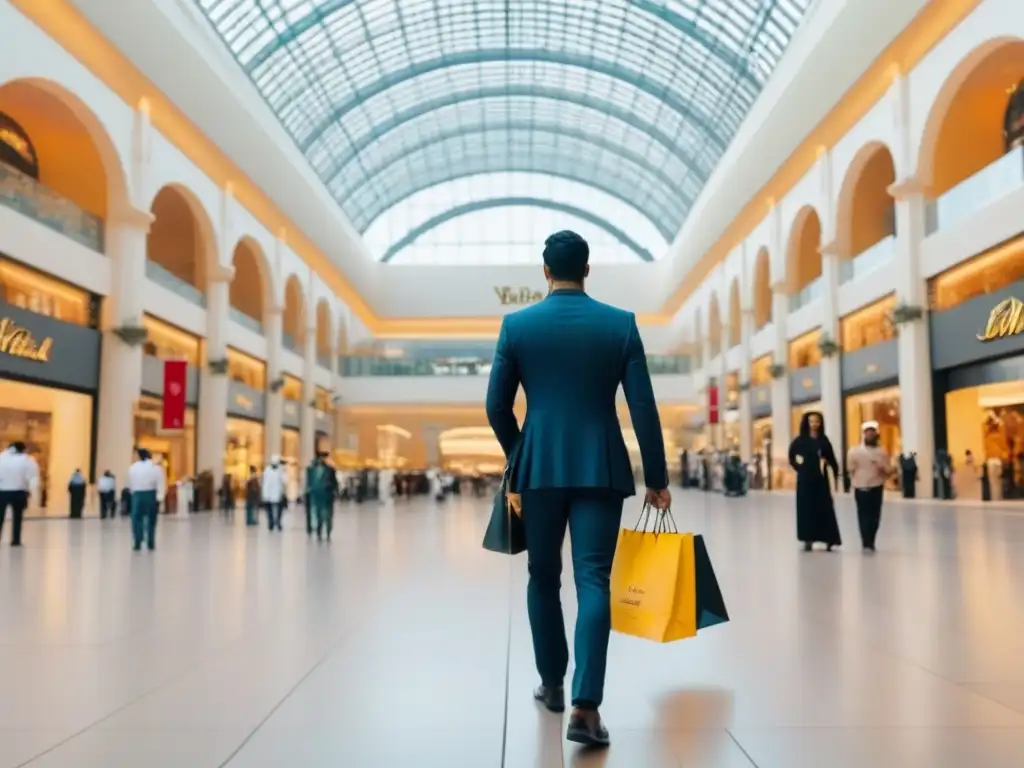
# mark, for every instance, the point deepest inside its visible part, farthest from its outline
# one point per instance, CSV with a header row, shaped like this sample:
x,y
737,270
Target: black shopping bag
x,y
505,533
710,604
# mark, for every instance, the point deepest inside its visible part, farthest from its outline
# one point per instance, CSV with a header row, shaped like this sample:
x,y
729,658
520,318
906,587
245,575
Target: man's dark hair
x,y
566,255
18,446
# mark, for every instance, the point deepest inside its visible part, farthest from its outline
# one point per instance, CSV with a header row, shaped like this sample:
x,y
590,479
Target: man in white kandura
x,y
146,481
19,474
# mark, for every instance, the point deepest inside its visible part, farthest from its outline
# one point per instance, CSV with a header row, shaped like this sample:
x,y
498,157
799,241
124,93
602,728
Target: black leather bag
x,y
505,532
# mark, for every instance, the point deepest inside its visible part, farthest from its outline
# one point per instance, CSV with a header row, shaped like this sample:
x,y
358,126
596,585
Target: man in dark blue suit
x,y
570,464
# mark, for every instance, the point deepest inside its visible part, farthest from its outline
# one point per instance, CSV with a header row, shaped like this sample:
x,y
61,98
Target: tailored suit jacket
x,y
570,353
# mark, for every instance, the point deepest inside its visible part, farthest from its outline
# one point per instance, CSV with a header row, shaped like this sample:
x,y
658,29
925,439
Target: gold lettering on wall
x,y
517,296
1006,319
18,342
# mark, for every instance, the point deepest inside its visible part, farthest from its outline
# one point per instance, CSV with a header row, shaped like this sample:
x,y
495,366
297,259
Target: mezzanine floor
x,y
232,647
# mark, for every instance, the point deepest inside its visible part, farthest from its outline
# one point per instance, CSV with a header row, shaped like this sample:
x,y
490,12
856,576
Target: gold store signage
x,y
19,342
1006,319
516,296
243,402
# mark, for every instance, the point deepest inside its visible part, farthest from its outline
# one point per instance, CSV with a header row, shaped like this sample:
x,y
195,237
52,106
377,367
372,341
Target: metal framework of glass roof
x,y
385,98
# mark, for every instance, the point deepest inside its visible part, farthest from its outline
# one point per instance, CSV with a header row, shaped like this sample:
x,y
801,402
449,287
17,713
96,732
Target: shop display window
x,y
983,274
868,326
988,422
176,450
883,406
804,351
169,343
760,371
292,389
247,370
34,292
244,448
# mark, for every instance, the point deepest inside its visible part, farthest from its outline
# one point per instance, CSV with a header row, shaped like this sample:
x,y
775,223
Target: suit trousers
x,y
869,513
593,517
17,501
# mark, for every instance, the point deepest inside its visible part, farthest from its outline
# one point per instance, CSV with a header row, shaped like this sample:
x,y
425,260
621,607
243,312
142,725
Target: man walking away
x,y
570,465
273,492
76,494
146,481
107,488
869,468
18,474
320,497
253,496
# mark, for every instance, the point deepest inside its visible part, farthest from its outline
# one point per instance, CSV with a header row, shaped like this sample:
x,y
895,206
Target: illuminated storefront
x,y
49,376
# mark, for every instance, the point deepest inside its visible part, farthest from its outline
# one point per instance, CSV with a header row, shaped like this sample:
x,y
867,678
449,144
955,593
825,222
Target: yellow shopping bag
x,y
653,588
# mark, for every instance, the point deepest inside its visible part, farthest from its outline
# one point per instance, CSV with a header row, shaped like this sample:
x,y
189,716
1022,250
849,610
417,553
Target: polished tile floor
x,y
232,647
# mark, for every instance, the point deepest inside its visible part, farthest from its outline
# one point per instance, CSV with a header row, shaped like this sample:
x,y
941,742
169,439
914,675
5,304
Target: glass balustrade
x,y
360,365
987,186
174,284
324,361
288,342
245,321
806,295
30,198
865,262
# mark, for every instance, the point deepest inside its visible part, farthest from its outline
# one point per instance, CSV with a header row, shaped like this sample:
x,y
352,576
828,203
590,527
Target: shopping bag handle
x,y
662,519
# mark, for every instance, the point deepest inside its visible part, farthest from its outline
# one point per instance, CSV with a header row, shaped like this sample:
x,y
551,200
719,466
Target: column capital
x,y
221,274
906,189
130,216
831,248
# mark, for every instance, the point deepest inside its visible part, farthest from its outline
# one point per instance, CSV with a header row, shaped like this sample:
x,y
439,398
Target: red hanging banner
x,y
175,372
712,402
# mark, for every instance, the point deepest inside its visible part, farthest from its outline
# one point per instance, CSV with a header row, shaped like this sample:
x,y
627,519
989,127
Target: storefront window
x,y
883,406
174,450
292,389
29,290
868,326
56,427
760,371
804,351
988,421
168,343
247,370
983,274
290,456
323,400
244,448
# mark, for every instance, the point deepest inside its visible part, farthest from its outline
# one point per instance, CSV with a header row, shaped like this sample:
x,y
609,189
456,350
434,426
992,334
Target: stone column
x,y
831,369
212,419
781,404
915,367
722,378
272,325
121,359
746,411
307,433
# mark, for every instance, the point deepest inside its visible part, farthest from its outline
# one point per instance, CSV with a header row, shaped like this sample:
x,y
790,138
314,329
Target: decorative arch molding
x,y
846,199
804,218
949,91
511,202
265,273
206,249
324,325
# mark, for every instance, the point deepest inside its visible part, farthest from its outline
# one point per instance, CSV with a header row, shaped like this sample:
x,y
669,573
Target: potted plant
x,y
777,370
744,386
276,385
828,346
906,313
217,367
132,335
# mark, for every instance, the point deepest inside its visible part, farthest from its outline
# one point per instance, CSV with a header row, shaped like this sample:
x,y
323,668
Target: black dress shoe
x,y
589,733
552,698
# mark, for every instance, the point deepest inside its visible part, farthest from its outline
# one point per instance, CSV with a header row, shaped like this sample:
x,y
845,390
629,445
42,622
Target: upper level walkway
x,y
387,648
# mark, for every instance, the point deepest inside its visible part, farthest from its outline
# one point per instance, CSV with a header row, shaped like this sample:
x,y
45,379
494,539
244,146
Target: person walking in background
x,y
227,496
76,494
106,486
869,467
253,497
812,456
272,490
19,474
319,496
569,465
146,481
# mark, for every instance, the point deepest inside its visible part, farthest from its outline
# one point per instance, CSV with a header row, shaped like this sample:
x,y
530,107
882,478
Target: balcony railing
x,y
988,185
288,342
360,365
324,361
175,284
30,198
865,262
806,295
242,319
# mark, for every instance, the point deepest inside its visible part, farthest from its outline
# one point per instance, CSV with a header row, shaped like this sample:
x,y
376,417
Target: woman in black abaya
x,y
811,455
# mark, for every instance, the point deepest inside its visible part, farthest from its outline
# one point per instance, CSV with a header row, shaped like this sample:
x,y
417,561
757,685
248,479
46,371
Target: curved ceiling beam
x,y
648,170
658,90
514,202
541,169
612,110
320,13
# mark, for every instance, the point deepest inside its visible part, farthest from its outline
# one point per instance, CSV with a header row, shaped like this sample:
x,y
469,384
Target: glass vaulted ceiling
x,y
558,106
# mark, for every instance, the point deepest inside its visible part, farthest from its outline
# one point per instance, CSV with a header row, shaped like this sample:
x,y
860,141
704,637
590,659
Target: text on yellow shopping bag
x,y
653,587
